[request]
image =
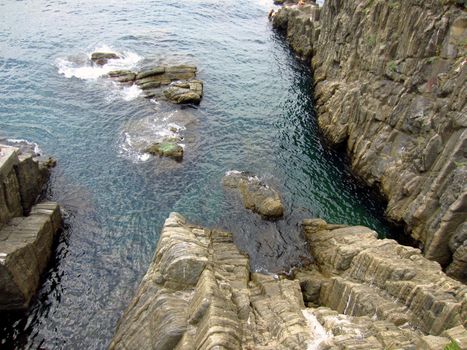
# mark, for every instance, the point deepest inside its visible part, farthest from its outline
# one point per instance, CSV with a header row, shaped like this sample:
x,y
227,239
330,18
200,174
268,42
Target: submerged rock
x,y
101,58
27,229
256,195
167,148
198,293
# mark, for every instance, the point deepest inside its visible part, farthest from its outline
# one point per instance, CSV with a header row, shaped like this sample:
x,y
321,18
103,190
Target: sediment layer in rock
x,y
176,84
199,294
27,229
390,81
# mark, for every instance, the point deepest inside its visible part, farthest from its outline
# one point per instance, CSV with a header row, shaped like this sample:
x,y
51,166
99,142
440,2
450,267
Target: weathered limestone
x,y
174,83
199,294
390,81
256,195
25,241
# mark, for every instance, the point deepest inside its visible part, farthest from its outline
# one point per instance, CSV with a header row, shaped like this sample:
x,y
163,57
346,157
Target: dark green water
x,y
257,115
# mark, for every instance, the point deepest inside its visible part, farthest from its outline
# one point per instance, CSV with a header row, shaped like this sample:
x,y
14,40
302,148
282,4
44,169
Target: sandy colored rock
x,y
256,195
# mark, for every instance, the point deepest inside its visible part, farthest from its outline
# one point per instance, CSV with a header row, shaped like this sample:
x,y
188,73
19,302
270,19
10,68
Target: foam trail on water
x,y
25,144
77,67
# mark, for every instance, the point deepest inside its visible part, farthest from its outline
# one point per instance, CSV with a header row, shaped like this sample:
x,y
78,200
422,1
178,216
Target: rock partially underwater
x,y
363,293
256,195
27,229
176,84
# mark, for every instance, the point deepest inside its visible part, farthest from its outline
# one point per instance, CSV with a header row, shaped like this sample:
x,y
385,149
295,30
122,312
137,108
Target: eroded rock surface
x,y
256,195
199,294
177,84
27,229
390,81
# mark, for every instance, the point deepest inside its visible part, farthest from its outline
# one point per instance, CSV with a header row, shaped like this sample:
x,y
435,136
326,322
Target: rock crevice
x,y
390,81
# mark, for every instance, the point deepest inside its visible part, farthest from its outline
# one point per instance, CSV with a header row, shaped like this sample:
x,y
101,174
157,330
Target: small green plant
x,y
460,165
393,4
452,346
392,66
371,40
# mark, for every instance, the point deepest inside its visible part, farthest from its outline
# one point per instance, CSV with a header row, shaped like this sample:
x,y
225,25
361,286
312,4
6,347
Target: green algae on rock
x,y
167,148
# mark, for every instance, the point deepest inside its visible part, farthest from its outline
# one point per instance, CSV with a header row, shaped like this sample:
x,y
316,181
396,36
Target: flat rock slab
x,y
25,249
176,84
256,195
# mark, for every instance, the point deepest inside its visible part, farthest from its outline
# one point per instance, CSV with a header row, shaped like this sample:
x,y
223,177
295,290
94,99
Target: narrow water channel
x,y
256,115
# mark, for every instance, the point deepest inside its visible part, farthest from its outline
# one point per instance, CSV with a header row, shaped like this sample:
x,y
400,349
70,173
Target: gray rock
x,y
395,93
256,195
167,148
102,58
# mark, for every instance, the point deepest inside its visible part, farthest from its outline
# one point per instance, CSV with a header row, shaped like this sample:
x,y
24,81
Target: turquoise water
x,y
256,115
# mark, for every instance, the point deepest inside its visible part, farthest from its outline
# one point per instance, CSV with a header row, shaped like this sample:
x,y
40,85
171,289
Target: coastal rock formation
x,y
390,81
174,83
256,195
101,58
26,229
167,148
199,294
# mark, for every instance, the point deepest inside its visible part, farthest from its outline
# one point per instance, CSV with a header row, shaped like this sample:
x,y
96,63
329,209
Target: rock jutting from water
x,y
169,147
102,58
362,293
256,195
27,228
390,81
176,84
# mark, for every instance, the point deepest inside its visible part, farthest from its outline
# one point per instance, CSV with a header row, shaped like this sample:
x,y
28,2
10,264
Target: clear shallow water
x,y
256,115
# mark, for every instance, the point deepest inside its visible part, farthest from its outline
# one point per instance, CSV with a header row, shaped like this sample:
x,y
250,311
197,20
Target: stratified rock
x,y
122,76
102,58
199,294
185,92
395,94
25,241
256,195
167,148
380,278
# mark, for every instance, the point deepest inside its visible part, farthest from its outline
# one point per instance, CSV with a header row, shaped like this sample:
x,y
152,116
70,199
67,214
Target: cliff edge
x,y
390,82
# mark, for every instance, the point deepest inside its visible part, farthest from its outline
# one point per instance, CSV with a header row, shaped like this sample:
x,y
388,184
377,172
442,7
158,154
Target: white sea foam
x,y
319,333
21,142
86,70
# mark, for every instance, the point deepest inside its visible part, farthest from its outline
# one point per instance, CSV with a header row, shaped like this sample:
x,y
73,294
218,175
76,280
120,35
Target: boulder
x,y
256,195
102,58
167,148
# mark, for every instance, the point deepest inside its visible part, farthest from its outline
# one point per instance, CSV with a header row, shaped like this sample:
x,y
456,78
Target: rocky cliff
x,y
390,82
362,293
27,229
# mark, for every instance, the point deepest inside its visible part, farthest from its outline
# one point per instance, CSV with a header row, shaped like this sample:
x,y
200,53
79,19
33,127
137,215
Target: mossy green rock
x,y
167,148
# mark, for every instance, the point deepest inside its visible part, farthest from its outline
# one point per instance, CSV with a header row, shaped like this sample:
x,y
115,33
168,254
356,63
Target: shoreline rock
x,y
27,228
198,293
256,195
176,84
395,94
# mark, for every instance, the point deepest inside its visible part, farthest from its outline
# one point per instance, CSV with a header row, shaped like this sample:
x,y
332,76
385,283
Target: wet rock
x,y
395,94
256,195
167,148
122,76
25,241
185,92
102,58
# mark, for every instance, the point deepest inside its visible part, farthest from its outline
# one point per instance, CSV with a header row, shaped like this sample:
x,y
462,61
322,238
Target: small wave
x,y
83,68
127,93
25,146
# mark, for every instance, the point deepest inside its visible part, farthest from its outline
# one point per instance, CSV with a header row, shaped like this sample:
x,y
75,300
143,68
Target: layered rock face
x,y
27,229
390,81
362,293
